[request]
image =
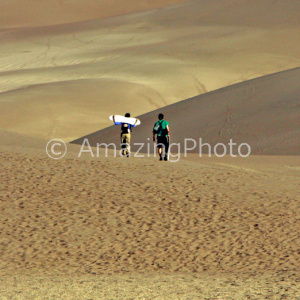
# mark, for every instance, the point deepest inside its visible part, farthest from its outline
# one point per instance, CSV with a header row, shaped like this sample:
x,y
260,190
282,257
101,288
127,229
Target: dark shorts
x,y
163,141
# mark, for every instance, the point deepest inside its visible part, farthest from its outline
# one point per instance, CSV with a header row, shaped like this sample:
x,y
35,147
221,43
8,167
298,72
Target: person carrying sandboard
x,y
126,130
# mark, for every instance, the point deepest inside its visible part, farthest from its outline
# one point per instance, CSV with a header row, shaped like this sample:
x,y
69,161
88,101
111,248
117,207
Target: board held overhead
x,y
122,119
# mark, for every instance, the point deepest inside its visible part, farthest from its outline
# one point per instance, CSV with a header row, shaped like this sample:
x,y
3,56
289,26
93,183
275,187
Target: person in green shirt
x,y
162,130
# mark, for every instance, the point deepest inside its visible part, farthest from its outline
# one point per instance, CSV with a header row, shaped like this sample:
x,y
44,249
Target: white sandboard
x,y
123,119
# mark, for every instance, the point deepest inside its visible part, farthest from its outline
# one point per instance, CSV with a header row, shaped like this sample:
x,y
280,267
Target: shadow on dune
x,y
261,112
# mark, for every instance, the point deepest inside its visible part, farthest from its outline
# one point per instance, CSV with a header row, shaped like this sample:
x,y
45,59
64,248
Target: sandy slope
x,y
137,62
114,228
261,112
41,13
78,216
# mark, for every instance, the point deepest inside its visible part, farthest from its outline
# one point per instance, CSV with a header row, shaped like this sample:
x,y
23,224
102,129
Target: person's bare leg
x,y
160,153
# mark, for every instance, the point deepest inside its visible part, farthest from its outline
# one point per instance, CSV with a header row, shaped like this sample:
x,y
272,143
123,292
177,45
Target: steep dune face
x,y
137,62
260,112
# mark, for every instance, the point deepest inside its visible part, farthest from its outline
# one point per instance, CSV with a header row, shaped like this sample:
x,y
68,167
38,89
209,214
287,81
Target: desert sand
x,y
106,227
16,14
134,62
261,112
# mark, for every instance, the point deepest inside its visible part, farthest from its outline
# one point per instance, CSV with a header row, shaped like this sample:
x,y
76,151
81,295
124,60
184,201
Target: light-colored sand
x,y
65,80
282,285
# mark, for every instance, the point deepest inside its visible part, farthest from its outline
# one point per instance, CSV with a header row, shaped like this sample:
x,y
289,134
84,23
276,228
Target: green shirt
x,y
164,124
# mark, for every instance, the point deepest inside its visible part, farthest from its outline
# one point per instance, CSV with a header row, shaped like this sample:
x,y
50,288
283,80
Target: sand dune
x,y
137,62
135,228
260,112
78,216
41,13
